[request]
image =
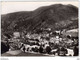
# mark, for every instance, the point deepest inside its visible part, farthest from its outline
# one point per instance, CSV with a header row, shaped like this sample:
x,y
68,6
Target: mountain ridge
x,y
55,16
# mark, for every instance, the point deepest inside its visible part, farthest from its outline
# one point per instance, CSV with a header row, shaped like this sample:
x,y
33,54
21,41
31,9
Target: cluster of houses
x,y
52,39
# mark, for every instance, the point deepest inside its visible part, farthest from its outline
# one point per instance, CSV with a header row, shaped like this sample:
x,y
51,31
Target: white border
x,y
41,0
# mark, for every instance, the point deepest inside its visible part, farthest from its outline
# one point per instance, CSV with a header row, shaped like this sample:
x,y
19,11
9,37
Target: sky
x,y
9,7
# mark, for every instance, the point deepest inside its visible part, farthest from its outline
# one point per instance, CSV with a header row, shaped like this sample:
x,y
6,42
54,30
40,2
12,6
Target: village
x,y
56,43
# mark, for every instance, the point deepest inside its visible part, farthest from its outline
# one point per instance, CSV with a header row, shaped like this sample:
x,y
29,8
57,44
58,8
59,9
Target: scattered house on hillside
x,y
16,34
28,35
33,36
58,32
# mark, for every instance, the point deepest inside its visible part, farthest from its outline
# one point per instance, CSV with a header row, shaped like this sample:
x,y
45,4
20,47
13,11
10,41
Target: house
x,y
16,34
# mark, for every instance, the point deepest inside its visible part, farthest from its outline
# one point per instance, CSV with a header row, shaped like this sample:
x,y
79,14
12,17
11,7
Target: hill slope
x,y
55,16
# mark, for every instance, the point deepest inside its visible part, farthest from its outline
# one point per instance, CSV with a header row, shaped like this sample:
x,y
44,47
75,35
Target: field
x,y
20,53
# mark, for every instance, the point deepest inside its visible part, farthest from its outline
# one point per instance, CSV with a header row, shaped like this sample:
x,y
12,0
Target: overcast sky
x,y
9,7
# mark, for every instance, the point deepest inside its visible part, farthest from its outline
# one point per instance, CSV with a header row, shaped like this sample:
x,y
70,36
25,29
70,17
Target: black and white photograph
x,y
40,29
